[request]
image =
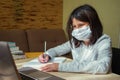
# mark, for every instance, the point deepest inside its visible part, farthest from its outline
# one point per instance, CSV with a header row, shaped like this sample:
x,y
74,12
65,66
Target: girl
x,y
91,49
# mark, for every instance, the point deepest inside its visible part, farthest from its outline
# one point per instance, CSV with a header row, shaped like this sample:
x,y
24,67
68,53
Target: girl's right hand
x,y
43,58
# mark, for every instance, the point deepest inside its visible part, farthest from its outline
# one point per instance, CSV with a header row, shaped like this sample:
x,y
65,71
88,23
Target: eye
x,y
74,27
80,25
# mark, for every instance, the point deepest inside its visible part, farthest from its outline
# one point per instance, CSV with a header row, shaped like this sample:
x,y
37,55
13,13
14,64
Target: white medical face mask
x,y
83,33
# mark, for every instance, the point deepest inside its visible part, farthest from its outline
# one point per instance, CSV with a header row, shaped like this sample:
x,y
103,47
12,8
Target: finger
x,y
42,61
46,69
41,58
46,58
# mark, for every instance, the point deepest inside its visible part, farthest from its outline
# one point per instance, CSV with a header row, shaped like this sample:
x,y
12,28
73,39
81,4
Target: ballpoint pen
x,y
45,43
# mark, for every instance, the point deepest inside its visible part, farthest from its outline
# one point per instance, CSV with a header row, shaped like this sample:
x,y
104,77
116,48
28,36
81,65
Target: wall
x,y
108,11
25,14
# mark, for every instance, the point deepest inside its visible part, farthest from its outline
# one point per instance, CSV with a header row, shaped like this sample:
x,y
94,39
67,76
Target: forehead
x,y
76,21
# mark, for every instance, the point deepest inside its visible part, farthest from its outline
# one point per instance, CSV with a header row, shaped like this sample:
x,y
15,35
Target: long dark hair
x,y
86,13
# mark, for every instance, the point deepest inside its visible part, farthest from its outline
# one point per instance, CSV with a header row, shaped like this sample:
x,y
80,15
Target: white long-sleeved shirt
x,y
87,59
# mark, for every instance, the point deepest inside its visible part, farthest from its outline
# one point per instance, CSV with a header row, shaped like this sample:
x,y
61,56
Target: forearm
x,y
59,50
93,67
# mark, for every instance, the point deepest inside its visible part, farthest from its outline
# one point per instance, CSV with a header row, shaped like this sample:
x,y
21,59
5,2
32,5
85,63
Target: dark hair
x,y
86,13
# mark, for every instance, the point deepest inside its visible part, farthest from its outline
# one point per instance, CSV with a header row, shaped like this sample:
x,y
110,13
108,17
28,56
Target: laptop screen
x,y
8,71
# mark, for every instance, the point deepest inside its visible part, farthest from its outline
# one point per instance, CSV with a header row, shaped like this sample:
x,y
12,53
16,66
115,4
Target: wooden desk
x,y
73,76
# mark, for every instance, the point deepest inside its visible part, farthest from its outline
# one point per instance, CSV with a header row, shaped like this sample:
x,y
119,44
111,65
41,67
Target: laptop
x,y
8,69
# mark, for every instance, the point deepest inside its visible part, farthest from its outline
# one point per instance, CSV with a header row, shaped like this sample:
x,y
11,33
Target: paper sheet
x,y
36,64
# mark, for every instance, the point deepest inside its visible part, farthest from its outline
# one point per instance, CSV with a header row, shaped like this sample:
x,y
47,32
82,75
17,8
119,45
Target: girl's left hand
x,y
49,67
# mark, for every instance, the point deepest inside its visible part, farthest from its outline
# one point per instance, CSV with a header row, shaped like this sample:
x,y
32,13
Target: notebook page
x,y
36,64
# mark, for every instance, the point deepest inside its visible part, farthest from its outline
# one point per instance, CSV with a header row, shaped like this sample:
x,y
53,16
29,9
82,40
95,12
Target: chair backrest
x,y
15,35
37,37
116,60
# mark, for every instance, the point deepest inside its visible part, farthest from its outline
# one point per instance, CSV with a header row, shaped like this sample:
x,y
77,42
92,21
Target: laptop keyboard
x,y
24,77
36,73
28,73
33,74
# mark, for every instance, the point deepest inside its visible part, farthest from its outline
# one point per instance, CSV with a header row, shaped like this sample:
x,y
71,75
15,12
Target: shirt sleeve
x,y
100,65
59,50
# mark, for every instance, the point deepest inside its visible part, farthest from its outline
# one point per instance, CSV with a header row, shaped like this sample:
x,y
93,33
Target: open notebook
x,y
36,64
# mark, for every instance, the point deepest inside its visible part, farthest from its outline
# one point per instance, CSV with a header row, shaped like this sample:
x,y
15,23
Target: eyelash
x,y
78,26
